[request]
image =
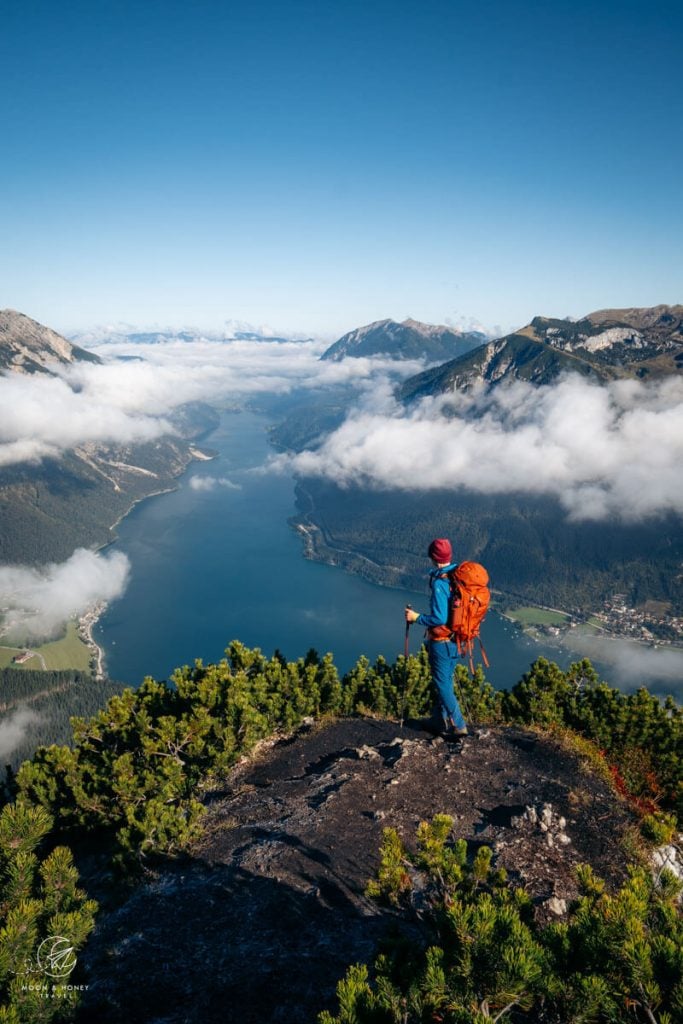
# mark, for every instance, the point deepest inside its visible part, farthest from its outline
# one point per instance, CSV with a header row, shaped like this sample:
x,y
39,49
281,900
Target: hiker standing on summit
x,y
441,648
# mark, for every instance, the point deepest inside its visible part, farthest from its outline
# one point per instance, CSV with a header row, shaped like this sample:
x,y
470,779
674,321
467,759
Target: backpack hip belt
x,y
439,634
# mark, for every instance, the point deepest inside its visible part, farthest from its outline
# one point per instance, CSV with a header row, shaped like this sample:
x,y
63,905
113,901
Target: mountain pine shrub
x,y
659,828
641,736
483,957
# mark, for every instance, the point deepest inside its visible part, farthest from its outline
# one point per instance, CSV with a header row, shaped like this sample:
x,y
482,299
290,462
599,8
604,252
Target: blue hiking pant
x,y
443,655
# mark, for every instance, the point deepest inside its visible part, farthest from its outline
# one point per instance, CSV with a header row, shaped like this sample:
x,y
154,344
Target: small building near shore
x,y
19,659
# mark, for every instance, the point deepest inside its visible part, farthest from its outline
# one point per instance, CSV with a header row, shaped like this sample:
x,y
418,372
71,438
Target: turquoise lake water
x,y
217,562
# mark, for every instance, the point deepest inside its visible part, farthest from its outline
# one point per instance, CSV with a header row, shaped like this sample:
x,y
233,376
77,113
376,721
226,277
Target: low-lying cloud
x,y
633,665
13,730
36,603
126,398
210,483
603,451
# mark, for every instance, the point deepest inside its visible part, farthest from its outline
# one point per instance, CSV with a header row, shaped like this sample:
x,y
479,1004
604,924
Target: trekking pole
x,y
405,668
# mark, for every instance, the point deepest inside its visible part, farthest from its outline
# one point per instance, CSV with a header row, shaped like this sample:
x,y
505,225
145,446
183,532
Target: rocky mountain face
x,y
606,345
28,347
408,340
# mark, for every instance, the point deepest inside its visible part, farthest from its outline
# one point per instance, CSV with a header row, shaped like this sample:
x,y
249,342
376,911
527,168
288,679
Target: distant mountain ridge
x,y
641,317
408,340
159,337
233,330
606,345
27,346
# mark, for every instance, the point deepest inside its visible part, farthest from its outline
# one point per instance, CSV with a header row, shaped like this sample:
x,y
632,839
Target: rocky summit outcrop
x,y
29,347
408,340
263,916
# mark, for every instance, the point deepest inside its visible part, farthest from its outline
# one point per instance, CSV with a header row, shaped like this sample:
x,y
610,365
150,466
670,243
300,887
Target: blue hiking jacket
x,y
441,592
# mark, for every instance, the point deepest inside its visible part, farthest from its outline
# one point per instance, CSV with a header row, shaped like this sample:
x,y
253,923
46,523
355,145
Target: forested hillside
x,y
533,554
50,508
36,707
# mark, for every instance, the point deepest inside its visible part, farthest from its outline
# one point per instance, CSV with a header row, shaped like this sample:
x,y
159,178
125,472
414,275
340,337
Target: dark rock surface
x,y
264,916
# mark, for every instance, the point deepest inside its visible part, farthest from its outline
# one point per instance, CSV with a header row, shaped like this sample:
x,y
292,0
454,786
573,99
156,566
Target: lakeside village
x,y
651,623
61,652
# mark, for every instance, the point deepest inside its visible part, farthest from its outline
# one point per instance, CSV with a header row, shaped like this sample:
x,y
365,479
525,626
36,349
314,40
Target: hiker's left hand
x,y
412,616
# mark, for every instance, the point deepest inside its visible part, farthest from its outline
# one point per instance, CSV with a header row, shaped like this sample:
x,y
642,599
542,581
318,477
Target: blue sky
x,y
318,165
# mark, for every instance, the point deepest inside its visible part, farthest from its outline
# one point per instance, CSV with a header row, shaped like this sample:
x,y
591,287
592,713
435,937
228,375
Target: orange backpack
x,y
470,598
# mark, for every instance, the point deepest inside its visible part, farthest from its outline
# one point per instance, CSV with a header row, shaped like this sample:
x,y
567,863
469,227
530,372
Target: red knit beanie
x,y
440,550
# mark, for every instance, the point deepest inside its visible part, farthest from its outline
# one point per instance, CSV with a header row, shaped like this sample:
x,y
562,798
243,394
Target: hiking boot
x,y
455,732
434,724
439,726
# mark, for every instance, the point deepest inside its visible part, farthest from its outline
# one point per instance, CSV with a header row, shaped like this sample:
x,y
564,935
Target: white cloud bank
x,y
603,451
38,602
41,416
125,399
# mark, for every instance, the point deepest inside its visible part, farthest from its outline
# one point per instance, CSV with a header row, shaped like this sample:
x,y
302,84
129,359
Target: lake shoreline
x,y
88,621
86,625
